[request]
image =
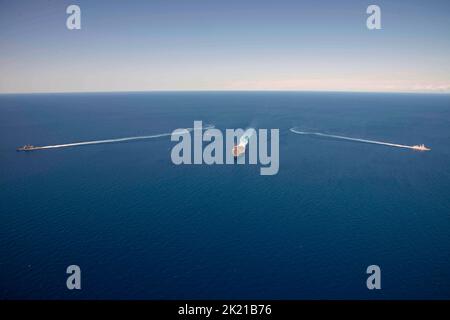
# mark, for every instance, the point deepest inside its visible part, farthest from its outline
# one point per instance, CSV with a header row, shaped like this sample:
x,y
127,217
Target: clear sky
x,y
224,45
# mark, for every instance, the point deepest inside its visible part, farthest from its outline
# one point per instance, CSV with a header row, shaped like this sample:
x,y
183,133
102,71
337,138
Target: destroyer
x,y
27,147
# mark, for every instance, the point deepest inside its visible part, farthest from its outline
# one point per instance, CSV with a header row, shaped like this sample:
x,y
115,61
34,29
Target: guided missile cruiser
x,y
421,147
239,149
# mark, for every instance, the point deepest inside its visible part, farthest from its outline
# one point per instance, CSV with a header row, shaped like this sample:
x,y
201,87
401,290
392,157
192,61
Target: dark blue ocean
x,y
141,227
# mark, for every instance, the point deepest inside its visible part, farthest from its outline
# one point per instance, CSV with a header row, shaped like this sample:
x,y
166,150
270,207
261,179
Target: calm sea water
x,y
142,228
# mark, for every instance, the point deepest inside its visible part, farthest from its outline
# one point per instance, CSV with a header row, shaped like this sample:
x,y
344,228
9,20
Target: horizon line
x,y
226,90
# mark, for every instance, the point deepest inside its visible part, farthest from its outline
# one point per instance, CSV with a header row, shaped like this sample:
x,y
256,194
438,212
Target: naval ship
x,y
27,147
239,149
421,147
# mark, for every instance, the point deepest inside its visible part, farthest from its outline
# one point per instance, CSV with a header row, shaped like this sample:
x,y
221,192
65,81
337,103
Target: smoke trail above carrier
x,y
420,147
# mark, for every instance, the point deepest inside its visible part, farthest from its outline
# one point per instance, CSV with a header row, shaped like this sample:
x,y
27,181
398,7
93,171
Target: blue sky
x,y
224,45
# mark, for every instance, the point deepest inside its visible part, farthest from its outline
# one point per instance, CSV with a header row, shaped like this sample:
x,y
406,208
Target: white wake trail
x,y
84,143
415,147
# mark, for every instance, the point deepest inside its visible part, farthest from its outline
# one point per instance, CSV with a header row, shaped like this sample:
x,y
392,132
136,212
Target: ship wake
x,y
389,144
116,140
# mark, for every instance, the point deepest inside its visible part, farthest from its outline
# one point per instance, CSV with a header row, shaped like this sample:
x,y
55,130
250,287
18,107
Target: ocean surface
x,y
141,227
